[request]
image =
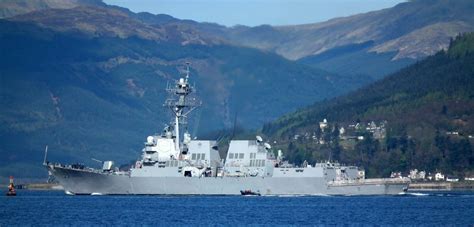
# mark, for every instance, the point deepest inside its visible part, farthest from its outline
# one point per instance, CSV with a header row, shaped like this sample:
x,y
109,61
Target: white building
x,y
371,127
324,124
361,174
396,175
342,131
452,179
417,175
421,175
439,176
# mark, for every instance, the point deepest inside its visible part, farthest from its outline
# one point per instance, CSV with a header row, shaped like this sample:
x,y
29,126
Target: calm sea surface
x,y
56,208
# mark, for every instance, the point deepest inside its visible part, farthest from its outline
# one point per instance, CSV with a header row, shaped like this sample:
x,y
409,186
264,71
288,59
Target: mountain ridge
x,y
10,8
401,35
359,28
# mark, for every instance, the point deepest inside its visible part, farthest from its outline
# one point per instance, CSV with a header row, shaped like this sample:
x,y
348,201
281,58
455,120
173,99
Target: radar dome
x,y
259,139
149,139
187,138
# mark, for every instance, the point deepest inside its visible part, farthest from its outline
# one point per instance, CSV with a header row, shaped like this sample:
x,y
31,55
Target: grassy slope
x,y
356,60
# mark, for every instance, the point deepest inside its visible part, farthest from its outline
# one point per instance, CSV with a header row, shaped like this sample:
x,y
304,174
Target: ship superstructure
x,y
171,165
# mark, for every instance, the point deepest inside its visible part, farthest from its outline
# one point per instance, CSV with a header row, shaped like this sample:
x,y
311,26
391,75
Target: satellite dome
x,y
149,139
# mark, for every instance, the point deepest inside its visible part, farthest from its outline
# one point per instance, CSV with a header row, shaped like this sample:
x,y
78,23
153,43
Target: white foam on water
x,y
417,194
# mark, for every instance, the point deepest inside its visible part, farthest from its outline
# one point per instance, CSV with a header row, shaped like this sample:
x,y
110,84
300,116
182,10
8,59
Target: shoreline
x,y
415,186
441,186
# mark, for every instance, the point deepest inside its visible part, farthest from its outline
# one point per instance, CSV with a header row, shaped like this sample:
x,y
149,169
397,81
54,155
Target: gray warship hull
x,y
84,182
169,166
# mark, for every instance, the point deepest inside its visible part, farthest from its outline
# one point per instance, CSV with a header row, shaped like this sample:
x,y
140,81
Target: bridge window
x,y
231,155
193,157
241,156
203,156
187,174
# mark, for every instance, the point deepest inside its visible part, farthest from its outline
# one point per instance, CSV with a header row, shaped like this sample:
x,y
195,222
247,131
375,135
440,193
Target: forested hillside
x,y
426,114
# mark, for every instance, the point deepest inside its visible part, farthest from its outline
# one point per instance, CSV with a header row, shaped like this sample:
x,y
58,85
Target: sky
x,y
255,12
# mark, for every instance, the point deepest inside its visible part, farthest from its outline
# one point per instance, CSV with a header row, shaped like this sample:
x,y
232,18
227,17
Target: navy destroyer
x,y
170,165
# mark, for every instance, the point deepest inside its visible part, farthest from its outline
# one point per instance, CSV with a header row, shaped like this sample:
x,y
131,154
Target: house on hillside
x,y
323,124
342,131
417,175
396,175
469,178
439,176
452,179
378,131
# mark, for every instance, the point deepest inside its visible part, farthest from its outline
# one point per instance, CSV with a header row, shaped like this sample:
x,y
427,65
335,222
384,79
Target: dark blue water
x,y
55,208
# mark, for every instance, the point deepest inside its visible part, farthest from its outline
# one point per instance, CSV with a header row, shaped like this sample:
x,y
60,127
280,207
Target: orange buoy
x,y
11,188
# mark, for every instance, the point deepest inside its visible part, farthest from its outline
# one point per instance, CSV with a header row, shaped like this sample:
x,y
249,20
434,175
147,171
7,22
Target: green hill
x,y
429,114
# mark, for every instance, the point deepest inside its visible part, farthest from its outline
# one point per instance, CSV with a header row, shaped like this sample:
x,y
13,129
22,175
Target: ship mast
x,y
180,104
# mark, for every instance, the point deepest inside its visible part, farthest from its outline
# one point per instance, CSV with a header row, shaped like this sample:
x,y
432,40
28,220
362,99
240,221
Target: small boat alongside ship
x,y
170,165
249,193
